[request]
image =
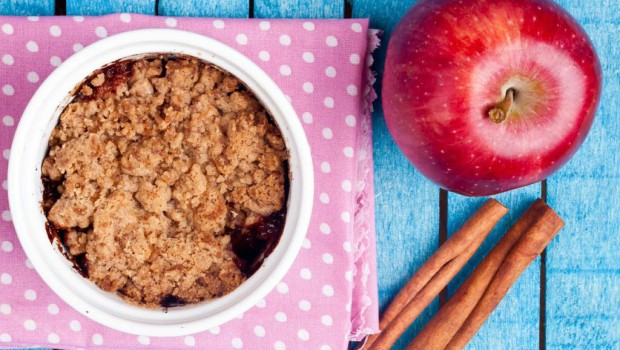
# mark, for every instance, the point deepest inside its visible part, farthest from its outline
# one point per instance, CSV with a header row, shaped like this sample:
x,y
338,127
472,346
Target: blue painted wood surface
x,y
27,7
298,9
583,263
93,8
204,8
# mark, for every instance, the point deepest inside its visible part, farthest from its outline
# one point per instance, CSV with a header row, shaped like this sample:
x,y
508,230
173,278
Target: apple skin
x,y
449,62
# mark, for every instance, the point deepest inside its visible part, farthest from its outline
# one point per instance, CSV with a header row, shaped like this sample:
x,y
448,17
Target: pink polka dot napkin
x,y
329,296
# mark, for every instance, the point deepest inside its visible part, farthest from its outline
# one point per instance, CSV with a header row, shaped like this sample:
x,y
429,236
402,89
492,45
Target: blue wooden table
x,y
567,299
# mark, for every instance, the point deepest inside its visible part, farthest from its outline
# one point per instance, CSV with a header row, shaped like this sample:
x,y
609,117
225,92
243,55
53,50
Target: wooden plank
x,y
27,7
94,8
298,9
515,322
583,263
205,8
407,205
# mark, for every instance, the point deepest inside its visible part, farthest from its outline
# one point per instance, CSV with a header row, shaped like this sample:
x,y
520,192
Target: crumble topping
x,y
158,166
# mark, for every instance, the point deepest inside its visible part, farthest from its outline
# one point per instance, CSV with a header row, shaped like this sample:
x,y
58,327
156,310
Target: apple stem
x,y
499,113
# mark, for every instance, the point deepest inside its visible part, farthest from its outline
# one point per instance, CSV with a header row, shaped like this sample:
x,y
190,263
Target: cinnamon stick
x,y
435,274
441,329
528,247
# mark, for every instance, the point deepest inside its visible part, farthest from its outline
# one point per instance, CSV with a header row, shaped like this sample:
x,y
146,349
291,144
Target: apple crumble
x,y
166,181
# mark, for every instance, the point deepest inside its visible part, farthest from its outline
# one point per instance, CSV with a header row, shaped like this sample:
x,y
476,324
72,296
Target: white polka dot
x,y
5,278
8,120
264,55
328,290
308,57
326,347
330,71
29,264
219,24
55,61
5,338
308,26
355,58
352,90
327,320
303,335
77,47
282,288
346,185
325,228
32,46
324,198
53,338
328,102
125,17
5,185
331,41
8,90
261,304
97,339
215,330
171,22
305,273
328,258
30,325
308,87
328,134
325,167
144,340
75,325
55,31
356,27
101,32
285,40
285,70
7,246
304,305
279,345
78,19
242,39
5,309
52,309
350,120
6,154
259,331
306,244
237,343
7,29
345,216
307,117
30,295
347,247
32,77
6,215
348,275
8,59
264,25
33,18
189,341
281,316
348,152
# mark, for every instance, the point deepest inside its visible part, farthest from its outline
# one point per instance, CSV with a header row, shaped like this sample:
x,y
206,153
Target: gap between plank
x,y
443,235
542,318
156,7
251,9
348,9
60,8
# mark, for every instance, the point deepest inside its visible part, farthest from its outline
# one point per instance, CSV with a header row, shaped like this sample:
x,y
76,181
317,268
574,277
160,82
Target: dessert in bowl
x,y
170,171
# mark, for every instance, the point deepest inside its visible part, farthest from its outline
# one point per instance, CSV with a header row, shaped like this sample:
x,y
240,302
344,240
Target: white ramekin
x,y
25,188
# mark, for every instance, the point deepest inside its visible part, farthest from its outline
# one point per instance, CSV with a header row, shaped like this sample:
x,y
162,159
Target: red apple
x,y
484,96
